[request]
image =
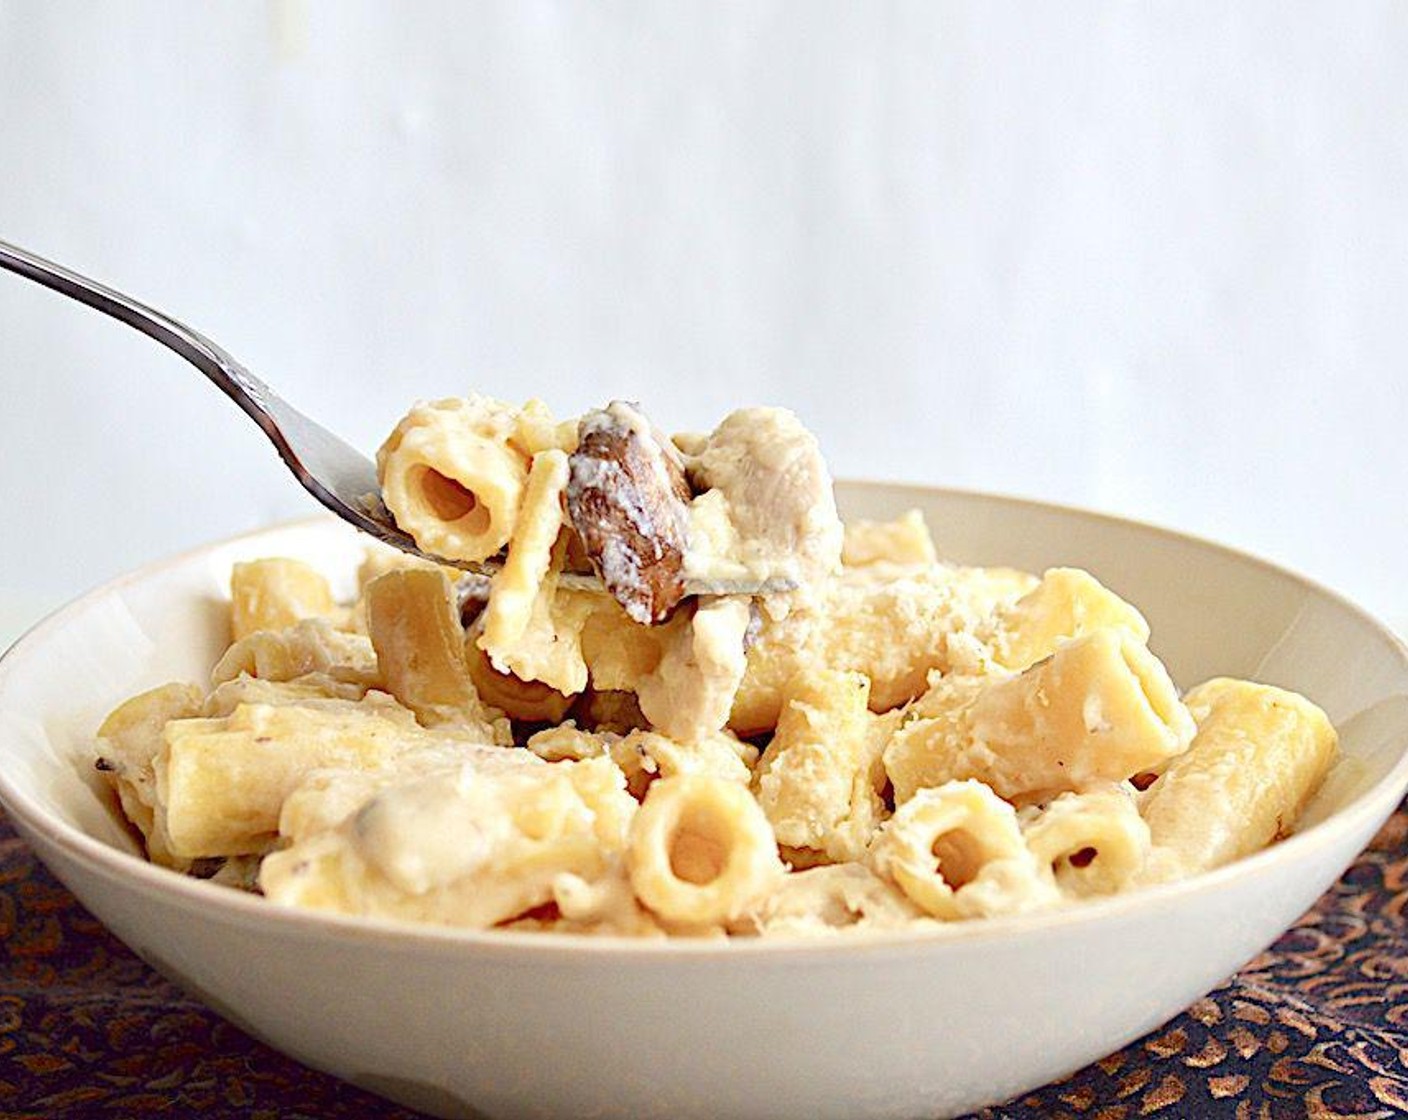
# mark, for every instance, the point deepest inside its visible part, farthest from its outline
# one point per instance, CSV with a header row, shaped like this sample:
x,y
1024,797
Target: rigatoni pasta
x,y
1093,843
276,593
701,852
463,846
453,476
519,582
221,783
956,850
1067,603
817,780
881,741
1099,709
1258,756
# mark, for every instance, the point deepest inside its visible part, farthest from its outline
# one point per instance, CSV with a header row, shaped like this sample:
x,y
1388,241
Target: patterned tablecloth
x,y
1317,1026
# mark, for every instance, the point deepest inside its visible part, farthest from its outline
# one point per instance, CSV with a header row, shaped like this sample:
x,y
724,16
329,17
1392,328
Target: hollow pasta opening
x,y
449,501
698,847
960,857
1079,859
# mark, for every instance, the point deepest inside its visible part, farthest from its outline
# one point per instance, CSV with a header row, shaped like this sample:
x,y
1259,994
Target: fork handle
x,y
332,468
238,383
261,404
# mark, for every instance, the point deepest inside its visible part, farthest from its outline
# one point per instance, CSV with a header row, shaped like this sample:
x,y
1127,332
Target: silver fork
x,y
339,476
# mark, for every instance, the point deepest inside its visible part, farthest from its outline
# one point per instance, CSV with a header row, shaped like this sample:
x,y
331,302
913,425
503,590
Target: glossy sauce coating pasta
x,y
899,743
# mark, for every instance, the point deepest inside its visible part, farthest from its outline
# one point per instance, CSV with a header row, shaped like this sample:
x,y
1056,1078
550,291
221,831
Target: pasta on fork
x,y
895,743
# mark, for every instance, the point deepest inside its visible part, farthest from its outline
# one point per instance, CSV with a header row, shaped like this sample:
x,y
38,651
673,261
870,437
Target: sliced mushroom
x,y
628,501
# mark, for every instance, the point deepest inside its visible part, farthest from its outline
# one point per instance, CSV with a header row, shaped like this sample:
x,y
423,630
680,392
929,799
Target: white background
x,y
1150,258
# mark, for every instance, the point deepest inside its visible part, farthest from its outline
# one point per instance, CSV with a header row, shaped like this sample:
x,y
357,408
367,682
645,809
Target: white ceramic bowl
x,y
483,1024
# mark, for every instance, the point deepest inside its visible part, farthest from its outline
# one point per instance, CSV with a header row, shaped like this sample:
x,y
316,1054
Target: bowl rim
x,y
1365,812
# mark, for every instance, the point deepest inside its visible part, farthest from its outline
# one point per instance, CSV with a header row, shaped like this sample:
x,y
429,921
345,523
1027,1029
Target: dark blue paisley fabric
x,y
1316,1027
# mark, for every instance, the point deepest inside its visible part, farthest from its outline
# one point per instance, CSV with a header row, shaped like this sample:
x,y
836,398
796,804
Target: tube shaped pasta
x,y
903,541
325,798
129,741
414,625
1067,603
1094,843
550,648
815,776
957,852
311,646
701,851
516,586
275,593
894,630
462,846
221,783
1259,755
415,629
1099,709
536,429
452,477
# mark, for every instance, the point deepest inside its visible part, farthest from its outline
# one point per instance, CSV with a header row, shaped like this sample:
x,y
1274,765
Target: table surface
x,y
1316,1026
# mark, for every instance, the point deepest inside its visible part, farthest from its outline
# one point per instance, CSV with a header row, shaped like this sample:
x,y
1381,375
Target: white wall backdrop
x,y
1147,258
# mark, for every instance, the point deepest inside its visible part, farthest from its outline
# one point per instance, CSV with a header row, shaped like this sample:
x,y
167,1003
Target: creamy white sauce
x,y
431,832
